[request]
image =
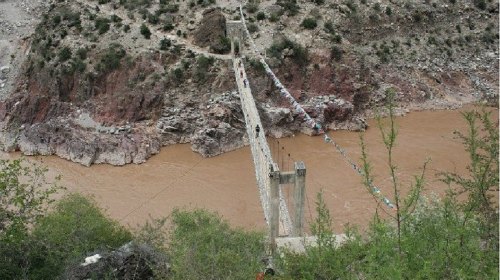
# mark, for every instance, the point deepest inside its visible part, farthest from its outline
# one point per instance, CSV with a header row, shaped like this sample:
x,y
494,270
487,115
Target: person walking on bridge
x,y
257,130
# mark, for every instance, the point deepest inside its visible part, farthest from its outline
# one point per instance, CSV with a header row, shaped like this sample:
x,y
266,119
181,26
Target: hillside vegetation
x,y
113,81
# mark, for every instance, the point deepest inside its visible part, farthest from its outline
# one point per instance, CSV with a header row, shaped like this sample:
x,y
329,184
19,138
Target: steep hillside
x,y
111,81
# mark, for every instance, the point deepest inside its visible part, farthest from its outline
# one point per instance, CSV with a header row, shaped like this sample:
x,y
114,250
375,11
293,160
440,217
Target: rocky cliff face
x,y
212,30
112,83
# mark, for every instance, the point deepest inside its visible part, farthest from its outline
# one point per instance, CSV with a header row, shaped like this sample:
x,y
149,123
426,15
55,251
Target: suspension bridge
x,y
270,180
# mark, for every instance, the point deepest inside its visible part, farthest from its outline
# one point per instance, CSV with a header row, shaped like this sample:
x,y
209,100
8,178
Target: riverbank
x,y
177,177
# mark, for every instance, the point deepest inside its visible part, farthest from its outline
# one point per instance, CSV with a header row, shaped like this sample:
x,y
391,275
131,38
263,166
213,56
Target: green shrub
x,y
145,31
252,7
252,28
102,25
82,53
165,44
202,246
309,23
261,16
75,229
336,53
388,11
203,64
274,17
110,59
289,6
299,56
223,46
480,4
168,26
64,54
177,74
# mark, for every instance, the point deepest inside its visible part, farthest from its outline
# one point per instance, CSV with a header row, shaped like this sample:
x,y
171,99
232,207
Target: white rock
x,y
92,259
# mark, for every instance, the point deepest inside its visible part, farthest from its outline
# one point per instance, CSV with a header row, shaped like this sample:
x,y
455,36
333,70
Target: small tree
x,y
145,31
403,207
481,142
25,195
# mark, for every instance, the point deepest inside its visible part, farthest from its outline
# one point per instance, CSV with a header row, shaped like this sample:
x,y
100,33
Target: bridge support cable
x,y
374,190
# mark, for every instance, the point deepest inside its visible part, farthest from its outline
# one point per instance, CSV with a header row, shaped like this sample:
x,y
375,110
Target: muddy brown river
x,y
177,177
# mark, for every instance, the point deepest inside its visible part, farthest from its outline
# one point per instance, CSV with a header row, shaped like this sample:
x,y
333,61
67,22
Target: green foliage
x,y
252,7
252,28
177,74
203,64
145,31
274,17
480,185
165,44
25,195
448,239
257,66
236,47
480,4
403,206
223,46
388,11
336,53
299,53
309,23
289,6
75,229
64,54
111,57
102,25
261,16
203,246
82,53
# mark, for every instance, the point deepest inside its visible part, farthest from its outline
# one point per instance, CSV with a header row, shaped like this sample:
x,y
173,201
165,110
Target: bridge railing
x,y
266,169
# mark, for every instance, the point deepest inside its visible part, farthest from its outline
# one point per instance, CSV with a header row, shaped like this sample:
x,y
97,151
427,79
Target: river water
x,y
179,178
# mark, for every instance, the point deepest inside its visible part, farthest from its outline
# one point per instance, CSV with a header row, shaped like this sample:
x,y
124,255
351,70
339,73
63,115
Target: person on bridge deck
x,y
241,74
245,83
257,129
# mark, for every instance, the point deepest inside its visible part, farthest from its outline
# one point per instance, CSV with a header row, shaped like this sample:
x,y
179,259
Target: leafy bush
x,y
64,54
82,53
274,17
480,4
110,60
261,16
102,25
223,46
299,53
289,6
75,229
145,31
252,7
202,246
336,53
165,44
202,65
252,28
309,23
437,239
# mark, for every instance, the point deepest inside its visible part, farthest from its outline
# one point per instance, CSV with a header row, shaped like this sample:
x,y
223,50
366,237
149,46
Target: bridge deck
x,y
262,157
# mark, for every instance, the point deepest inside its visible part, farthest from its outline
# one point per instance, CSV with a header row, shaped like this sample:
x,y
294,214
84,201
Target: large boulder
x,y
212,31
